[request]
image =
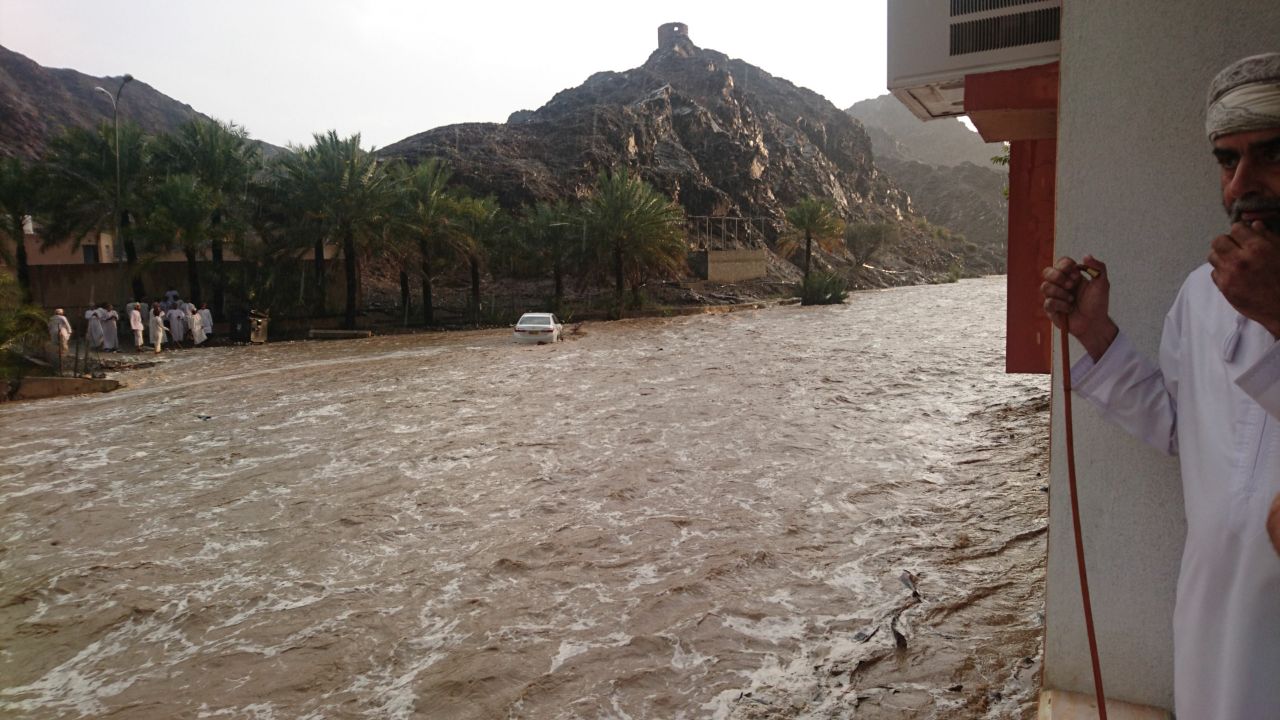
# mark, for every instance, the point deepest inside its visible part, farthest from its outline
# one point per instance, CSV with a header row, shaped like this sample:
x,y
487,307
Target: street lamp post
x,y
130,255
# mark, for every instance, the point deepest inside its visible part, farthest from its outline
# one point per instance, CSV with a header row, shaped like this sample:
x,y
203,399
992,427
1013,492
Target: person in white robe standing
x,y
195,324
1212,399
177,325
157,328
135,324
207,317
94,333
60,332
110,329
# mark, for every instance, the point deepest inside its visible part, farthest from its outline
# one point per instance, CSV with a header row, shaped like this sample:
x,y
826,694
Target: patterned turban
x,y
1245,96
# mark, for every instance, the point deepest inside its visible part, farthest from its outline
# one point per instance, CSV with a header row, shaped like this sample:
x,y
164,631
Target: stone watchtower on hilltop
x,y
673,34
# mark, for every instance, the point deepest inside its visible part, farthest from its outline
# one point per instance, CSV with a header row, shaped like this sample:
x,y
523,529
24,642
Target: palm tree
x,y
19,192
286,211
21,325
179,212
282,232
549,230
349,192
424,213
81,192
638,229
222,158
479,224
813,219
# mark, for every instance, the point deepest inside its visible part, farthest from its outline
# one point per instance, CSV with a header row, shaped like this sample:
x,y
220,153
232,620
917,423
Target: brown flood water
x,y
699,517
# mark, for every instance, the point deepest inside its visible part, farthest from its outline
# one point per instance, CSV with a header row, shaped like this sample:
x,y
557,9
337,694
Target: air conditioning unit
x,y
933,44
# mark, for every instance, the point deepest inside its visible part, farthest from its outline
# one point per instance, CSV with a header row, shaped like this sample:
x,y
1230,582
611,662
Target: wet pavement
x,y
784,513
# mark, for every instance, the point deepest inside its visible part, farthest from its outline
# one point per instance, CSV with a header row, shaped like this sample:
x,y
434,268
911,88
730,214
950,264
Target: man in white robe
x,y
207,318
110,330
177,324
60,332
156,327
135,324
94,334
195,324
1213,399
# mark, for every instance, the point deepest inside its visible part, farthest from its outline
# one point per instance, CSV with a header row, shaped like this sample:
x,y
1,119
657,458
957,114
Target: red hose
x,y
1075,523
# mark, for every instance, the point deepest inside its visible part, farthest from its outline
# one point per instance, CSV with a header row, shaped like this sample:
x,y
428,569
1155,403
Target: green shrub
x,y
954,272
824,288
864,239
22,327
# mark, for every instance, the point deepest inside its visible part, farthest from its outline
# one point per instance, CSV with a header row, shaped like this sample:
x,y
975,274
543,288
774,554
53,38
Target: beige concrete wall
x,y
70,253
67,253
1138,188
729,266
75,288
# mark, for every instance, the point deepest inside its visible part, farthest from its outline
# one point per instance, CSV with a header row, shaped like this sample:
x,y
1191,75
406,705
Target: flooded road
x,y
719,516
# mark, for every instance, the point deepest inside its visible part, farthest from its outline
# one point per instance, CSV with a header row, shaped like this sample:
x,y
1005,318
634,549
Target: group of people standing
x,y
169,321
172,320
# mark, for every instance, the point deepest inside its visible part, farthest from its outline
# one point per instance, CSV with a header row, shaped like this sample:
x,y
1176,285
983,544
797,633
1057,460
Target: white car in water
x,y
538,328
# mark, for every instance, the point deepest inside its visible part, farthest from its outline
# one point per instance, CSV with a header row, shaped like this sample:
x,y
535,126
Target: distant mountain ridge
x,y
37,103
944,166
898,135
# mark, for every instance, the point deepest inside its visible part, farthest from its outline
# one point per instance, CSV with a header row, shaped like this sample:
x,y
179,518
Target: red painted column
x,y
1021,107
1029,336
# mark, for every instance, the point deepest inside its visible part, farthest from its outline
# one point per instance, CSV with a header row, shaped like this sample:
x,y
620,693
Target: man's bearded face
x,y
1250,176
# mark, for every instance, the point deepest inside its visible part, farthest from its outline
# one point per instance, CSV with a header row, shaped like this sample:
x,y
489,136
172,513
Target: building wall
x,y
1138,188
729,266
68,253
76,288
71,253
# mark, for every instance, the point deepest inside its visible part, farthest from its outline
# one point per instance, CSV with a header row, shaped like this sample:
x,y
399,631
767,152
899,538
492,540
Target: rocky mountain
x,y
944,166
37,102
721,136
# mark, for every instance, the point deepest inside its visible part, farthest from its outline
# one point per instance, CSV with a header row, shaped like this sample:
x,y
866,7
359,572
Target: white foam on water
x,y
570,649
643,575
390,688
74,685
781,597
848,576
256,711
216,550
621,714
773,629
687,660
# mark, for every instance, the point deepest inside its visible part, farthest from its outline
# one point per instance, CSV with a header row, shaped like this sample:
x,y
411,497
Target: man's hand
x,y
1273,524
1081,303
1246,269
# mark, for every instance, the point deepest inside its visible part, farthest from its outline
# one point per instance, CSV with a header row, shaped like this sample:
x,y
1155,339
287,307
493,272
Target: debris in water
x,y
898,638
910,581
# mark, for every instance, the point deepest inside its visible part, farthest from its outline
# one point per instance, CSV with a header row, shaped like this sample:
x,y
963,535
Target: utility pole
x,y
131,255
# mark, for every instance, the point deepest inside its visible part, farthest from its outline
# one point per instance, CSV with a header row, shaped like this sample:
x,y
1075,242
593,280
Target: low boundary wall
x,y
729,266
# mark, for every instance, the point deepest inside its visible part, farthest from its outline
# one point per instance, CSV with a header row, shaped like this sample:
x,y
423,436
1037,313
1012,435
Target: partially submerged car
x,y
538,328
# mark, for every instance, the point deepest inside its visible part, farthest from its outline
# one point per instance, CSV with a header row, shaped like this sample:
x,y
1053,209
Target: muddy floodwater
x,y
785,513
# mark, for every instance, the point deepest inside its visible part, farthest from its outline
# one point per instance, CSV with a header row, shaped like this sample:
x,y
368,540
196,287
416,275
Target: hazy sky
x,y
392,68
